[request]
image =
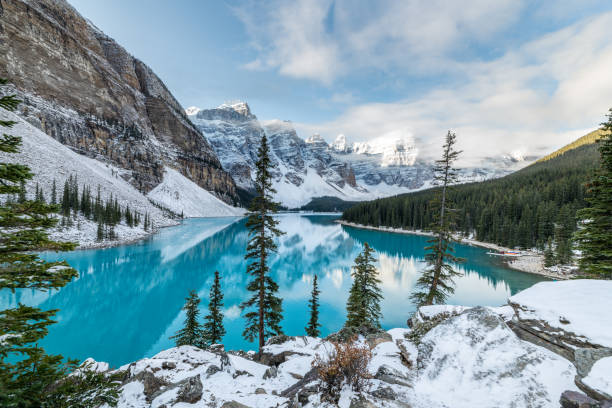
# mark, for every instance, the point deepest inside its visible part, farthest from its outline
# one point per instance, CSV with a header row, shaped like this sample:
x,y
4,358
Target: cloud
x,y
321,40
532,99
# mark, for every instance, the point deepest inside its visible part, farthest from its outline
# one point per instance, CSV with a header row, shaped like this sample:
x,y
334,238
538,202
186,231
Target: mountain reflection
x,y
127,300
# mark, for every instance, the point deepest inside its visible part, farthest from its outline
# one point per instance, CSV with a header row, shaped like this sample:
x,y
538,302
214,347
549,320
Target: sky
x,y
508,76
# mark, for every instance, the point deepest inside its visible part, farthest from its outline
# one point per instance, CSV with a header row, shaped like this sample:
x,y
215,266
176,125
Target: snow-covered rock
x,y
600,377
475,360
573,313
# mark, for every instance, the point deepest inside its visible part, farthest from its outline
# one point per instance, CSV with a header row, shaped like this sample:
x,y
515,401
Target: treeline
x,y
75,200
530,208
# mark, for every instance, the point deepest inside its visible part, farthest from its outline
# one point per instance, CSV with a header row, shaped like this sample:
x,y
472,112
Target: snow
x,y
600,376
479,362
182,196
192,110
581,307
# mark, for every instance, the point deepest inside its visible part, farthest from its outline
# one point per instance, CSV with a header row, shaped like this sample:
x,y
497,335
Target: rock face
x,y
83,89
312,168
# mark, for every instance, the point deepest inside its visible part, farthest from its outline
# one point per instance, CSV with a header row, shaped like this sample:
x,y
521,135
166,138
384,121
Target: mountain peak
x,y
236,106
192,110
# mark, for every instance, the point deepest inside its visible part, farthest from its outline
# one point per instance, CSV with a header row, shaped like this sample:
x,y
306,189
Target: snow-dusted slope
x,y
182,196
50,160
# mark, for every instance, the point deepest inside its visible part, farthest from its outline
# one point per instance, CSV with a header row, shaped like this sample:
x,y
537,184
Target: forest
x,y
529,208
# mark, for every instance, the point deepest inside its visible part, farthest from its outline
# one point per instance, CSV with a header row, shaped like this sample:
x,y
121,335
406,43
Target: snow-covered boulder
x,y
565,315
475,360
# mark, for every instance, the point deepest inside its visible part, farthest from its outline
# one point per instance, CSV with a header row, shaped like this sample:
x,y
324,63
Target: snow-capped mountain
x,y
310,168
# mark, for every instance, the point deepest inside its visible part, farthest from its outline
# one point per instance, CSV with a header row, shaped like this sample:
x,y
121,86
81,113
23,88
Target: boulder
x,y
212,370
391,376
384,393
233,404
574,399
271,372
151,383
190,391
361,402
374,339
584,358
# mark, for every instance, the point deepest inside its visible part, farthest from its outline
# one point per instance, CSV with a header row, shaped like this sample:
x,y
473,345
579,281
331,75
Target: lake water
x,y
127,301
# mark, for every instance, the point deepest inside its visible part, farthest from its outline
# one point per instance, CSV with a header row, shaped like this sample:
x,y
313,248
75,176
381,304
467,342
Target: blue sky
x,y
509,76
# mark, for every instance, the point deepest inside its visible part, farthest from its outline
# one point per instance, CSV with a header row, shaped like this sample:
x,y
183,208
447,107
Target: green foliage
x,y
326,203
312,329
549,255
363,304
192,333
420,329
263,309
436,282
28,376
595,237
520,209
213,327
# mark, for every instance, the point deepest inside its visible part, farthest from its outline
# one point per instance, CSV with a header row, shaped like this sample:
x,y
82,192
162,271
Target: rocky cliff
x,y
86,91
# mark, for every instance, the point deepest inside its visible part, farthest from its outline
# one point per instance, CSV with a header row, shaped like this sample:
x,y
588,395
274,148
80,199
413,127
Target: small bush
x,y
346,364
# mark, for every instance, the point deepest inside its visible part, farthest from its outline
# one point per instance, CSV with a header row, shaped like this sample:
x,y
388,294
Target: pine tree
x,y
191,334
29,376
549,255
264,309
363,304
54,193
213,326
100,232
595,237
312,329
436,282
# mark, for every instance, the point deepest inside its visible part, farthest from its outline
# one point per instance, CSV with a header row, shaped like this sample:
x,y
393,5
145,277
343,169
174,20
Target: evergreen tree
x,y
213,327
54,193
595,237
549,255
312,329
191,334
29,377
563,235
263,309
436,282
363,304
100,232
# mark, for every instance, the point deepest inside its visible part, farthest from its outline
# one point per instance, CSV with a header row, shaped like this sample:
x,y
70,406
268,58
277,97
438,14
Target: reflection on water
x,y
127,300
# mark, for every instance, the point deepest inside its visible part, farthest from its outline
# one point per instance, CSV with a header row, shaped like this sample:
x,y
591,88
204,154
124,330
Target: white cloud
x,y
532,99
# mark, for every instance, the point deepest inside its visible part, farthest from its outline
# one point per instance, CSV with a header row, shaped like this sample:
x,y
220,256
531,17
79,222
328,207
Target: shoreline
x,y
532,263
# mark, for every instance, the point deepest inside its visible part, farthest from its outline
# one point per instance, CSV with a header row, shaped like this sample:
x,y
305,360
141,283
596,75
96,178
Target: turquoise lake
x,y
127,301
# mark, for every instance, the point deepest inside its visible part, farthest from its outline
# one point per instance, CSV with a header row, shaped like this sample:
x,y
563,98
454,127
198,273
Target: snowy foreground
x,y
51,161
471,357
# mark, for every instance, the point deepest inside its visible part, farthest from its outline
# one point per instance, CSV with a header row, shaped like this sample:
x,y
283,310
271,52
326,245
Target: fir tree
x,y
363,304
436,282
312,329
263,309
54,193
100,232
563,235
29,377
213,326
549,255
191,334
595,237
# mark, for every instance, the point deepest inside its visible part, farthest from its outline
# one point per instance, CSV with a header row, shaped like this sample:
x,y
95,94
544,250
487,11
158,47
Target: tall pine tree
x,y
263,309
595,237
29,377
363,305
213,327
312,329
436,282
192,333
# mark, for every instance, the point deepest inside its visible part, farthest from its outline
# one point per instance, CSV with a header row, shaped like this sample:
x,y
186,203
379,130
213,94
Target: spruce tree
x,y
29,377
213,326
312,329
436,282
363,305
192,333
549,255
594,239
263,309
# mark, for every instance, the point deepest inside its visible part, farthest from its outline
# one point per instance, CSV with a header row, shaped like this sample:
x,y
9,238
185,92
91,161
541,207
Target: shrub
x,y
346,364
420,329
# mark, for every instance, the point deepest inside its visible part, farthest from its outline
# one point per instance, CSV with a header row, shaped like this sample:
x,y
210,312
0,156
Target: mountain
x,y
522,209
310,168
587,139
86,91
52,161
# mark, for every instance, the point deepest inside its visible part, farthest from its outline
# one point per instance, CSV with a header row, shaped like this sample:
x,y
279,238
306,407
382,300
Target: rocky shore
x,y
550,346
